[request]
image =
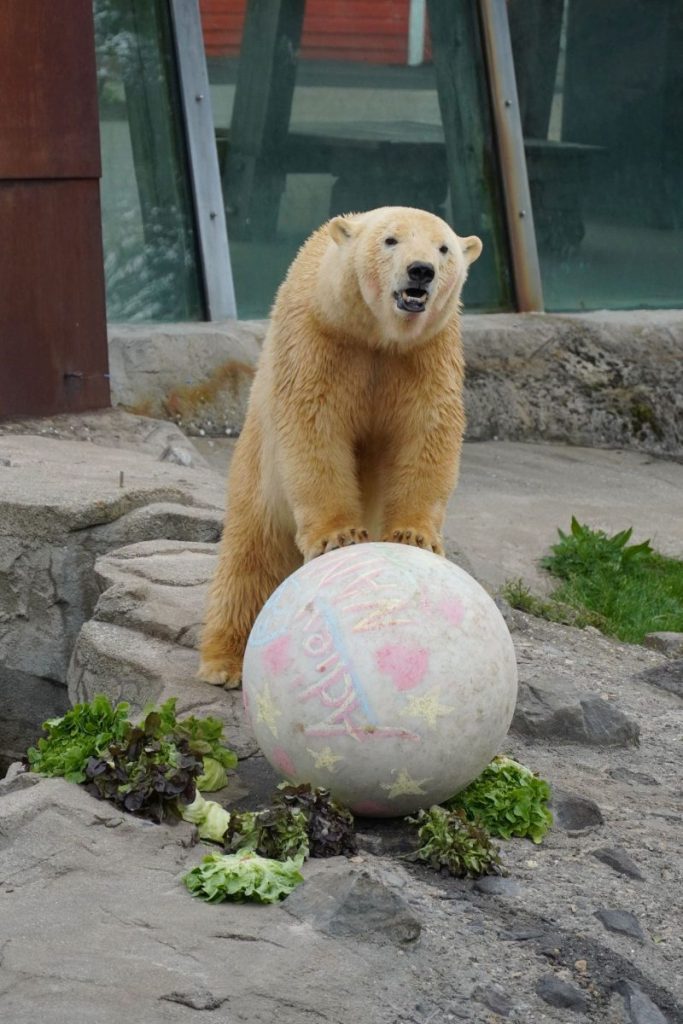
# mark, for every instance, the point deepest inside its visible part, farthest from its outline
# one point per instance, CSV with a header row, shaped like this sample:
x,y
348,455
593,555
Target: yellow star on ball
x,y
324,758
405,786
427,708
268,711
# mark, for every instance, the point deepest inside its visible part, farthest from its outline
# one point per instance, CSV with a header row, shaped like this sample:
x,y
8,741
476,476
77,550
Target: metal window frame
x,y
193,80
207,193
509,139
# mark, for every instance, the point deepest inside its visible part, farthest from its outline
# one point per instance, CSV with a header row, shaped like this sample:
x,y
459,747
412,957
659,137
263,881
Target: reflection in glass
x,y
324,107
150,254
601,94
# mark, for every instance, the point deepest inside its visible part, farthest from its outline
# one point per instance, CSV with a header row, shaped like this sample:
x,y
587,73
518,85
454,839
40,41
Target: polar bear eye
x,y
443,249
391,241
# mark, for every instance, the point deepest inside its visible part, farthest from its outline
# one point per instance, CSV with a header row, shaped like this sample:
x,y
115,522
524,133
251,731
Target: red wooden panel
x,y
53,339
48,113
346,30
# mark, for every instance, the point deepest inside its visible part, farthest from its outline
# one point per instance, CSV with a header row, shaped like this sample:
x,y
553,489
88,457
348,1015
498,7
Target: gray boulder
x,y
140,644
667,643
604,379
63,503
198,375
557,710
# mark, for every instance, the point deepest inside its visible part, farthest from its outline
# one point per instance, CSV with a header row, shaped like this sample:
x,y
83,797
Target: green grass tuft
x,y
519,596
625,590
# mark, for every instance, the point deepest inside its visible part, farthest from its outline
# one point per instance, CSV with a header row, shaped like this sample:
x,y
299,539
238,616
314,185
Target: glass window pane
x,y
325,107
150,253
601,94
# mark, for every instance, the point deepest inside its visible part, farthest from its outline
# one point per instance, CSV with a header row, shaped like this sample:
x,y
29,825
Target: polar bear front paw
x,y
416,538
336,539
218,673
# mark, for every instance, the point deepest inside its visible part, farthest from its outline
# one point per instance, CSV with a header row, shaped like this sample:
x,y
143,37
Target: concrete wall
x,y
605,379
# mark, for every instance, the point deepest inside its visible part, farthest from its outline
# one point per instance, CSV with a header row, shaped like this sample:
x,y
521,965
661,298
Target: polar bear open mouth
x,y
412,300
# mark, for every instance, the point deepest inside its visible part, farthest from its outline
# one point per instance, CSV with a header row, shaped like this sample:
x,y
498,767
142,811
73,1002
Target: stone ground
x,y
95,925
512,497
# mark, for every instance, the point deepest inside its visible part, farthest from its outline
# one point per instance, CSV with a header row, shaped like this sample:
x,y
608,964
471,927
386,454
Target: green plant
x,y
243,876
149,769
625,590
331,829
508,799
452,843
587,552
83,732
205,738
302,822
211,818
518,594
149,772
278,833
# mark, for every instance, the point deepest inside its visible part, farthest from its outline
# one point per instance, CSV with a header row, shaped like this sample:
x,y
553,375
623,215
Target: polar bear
x,y
355,420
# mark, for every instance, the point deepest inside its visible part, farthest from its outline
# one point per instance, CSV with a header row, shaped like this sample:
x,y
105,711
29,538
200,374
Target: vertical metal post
x,y
203,159
416,32
511,157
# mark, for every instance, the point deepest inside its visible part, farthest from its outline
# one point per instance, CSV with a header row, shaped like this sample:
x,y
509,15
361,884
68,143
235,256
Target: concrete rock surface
x,y
95,924
375,938
112,428
666,642
25,702
140,644
62,503
198,375
511,498
604,379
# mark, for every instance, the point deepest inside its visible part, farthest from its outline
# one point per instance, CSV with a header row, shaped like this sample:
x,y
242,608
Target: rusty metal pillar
x,y
53,336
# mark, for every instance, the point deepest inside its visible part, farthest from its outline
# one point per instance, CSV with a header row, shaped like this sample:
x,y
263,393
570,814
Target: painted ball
x,y
385,674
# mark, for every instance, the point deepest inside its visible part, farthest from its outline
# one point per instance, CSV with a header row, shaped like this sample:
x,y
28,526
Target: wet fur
x,y
355,421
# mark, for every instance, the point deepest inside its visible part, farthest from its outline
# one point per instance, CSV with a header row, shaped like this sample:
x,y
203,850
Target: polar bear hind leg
x,y
257,552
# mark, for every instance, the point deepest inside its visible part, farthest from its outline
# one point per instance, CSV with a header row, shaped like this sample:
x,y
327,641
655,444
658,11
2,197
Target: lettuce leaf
x,y
243,876
205,737
213,776
83,732
508,799
302,822
452,843
331,828
280,833
146,768
211,819
146,773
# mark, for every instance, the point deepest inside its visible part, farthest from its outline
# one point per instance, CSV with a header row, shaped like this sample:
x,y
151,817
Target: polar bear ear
x,y
342,229
471,247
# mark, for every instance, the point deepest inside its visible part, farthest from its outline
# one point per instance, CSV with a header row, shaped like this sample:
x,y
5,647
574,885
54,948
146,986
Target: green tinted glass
x,y
150,257
327,108
601,94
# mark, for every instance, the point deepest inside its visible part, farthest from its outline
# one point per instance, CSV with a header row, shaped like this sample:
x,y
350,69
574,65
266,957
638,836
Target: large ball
x,y
384,673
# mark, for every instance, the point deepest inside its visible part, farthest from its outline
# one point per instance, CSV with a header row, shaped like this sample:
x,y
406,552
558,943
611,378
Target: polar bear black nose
x,y
421,273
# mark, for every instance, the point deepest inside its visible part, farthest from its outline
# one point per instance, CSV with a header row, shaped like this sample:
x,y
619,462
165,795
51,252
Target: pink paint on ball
x,y
393,665
453,610
372,809
276,656
281,760
406,665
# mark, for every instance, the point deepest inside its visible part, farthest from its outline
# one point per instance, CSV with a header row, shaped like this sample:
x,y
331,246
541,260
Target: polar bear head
x,y
395,274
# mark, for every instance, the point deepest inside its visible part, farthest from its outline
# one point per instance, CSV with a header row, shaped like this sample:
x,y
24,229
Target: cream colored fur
x,y
355,420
